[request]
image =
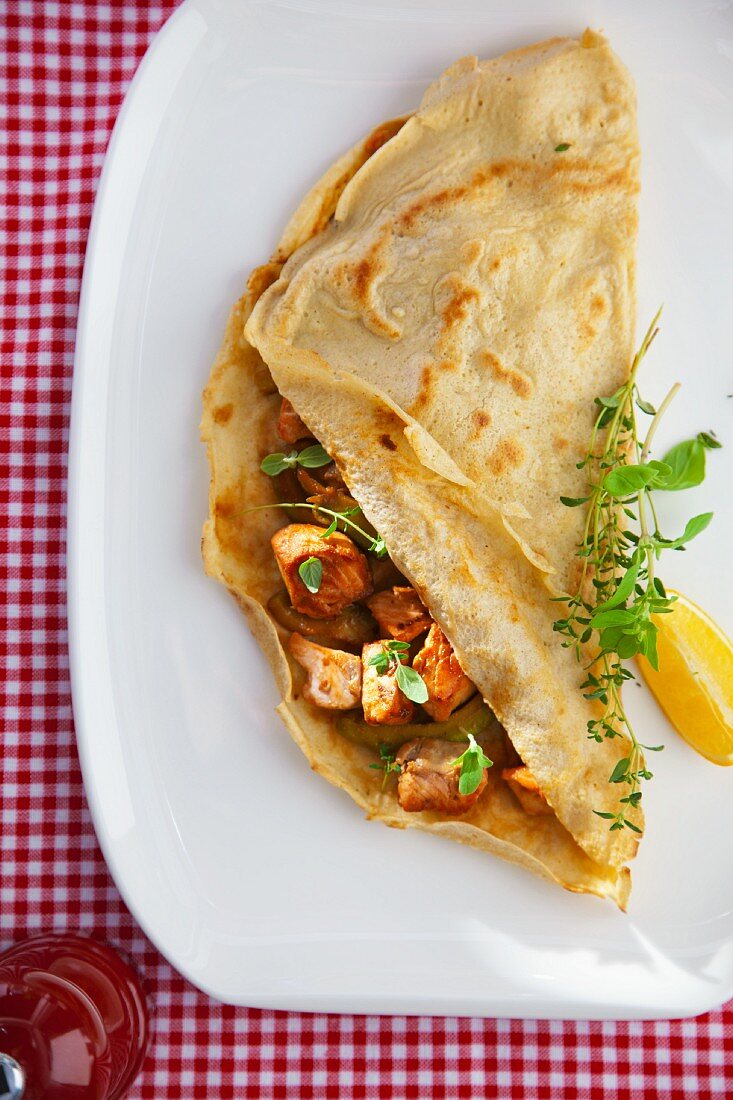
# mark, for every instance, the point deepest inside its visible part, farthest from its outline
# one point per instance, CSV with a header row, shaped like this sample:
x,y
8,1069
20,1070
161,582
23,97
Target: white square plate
x,y
261,883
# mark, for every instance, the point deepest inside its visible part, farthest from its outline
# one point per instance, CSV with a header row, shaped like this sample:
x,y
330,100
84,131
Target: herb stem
x,y
651,332
654,513
317,508
644,541
644,494
655,422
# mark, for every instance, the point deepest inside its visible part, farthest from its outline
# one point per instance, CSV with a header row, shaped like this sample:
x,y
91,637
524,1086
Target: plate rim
x,y
77,491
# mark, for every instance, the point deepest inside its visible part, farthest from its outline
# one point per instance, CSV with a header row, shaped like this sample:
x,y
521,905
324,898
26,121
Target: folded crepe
x,y
441,312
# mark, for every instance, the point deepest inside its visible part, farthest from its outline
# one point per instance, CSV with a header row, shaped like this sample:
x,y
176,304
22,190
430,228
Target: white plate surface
x,y
261,883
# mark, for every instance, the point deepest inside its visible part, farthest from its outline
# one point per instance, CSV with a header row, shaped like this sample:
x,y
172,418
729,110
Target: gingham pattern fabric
x,y
64,69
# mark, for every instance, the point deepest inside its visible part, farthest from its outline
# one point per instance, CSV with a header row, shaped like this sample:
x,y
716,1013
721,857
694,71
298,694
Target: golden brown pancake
x,y
444,307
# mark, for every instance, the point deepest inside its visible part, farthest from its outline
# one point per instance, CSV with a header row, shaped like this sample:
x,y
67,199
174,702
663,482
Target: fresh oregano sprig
x,y
387,764
343,514
472,762
409,680
610,614
310,572
310,457
376,546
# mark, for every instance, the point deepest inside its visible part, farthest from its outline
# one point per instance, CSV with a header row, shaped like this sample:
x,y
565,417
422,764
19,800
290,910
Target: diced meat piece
x,y
346,576
429,778
447,684
525,787
400,613
383,702
334,677
290,427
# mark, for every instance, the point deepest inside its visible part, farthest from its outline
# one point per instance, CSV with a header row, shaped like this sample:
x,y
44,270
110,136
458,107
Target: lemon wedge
x,y
694,685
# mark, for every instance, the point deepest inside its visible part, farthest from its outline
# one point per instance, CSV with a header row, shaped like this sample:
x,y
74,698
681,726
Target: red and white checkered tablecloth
x,y
64,70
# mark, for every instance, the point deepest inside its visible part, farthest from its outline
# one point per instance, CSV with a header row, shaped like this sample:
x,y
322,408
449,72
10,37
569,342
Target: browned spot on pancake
x,y
425,390
357,281
364,274
576,173
597,304
387,422
480,420
495,263
621,179
506,455
227,505
559,442
432,203
223,413
587,334
520,382
456,309
388,442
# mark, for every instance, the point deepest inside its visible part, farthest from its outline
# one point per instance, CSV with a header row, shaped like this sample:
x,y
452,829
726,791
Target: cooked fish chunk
x,y
345,578
400,613
334,677
429,778
290,427
525,787
383,702
447,684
